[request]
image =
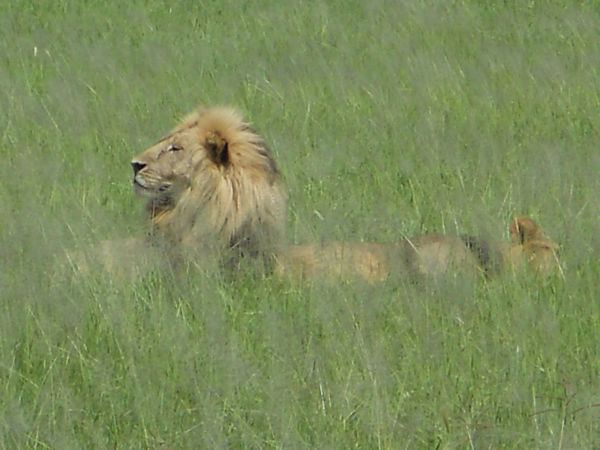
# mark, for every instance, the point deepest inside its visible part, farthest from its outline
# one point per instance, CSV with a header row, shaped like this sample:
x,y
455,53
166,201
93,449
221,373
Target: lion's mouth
x,y
142,188
137,184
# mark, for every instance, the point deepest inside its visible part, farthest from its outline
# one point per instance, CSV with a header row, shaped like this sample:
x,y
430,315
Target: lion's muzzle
x,y
137,166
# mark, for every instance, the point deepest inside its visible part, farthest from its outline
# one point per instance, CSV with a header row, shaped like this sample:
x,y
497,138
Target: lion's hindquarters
x,y
434,255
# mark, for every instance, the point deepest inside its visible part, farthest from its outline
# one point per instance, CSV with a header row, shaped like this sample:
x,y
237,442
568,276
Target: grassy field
x,y
388,118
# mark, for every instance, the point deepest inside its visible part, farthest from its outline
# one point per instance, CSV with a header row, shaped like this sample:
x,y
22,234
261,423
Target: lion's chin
x,y
143,191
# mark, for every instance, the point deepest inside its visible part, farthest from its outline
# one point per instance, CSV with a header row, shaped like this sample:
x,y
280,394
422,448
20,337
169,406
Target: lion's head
x,y
530,245
213,183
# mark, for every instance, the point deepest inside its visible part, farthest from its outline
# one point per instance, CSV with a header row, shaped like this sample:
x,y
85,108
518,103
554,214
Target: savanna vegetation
x,y
388,119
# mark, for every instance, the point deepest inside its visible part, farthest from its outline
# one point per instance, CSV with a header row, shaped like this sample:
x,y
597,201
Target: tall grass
x,y
388,119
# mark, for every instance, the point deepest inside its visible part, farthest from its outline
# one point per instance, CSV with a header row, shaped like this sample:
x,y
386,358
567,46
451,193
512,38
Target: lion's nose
x,y
137,166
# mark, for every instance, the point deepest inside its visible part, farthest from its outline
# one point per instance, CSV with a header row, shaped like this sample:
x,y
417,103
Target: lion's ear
x,y
523,229
217,148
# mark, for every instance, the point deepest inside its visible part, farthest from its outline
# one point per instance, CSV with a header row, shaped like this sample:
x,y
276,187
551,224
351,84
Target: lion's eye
x,y
174,148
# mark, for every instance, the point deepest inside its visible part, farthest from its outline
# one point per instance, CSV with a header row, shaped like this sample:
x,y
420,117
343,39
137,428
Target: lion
x,y
424,257
212,190
213,187
528,247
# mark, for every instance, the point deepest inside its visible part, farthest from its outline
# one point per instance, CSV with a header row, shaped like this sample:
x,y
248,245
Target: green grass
x,y
388,119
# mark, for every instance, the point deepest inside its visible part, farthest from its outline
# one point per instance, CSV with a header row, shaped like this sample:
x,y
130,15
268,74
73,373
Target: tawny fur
x,y
426,256
212,184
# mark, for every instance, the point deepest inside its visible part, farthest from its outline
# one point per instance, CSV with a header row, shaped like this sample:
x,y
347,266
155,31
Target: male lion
x,y
213,188
426,256
213,191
